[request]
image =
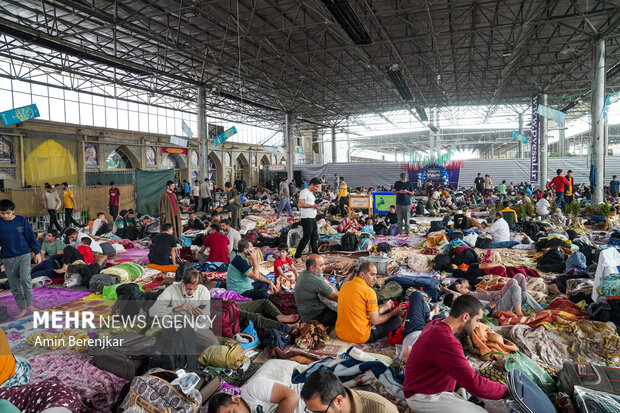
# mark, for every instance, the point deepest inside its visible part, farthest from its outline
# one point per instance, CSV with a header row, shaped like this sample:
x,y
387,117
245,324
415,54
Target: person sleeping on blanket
x,y
510,298
260,395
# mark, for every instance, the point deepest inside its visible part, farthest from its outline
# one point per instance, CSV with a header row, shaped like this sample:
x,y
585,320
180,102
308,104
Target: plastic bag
x,y
532,370
593,401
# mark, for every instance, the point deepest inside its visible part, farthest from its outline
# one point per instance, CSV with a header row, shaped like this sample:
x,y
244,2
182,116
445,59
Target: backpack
x,y
175,349
394,229
349,242
384,247
552,260
252,236
229,355
484,242
455,234
436,226
128,300
182,270
468,257
530,228
381,228
442,263
226,318
154,393
98,281
273,338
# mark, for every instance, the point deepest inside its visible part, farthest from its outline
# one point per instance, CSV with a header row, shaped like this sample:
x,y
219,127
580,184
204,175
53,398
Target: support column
x,y
492,156
348,142
544,149
201,117
290,157
81,164
598,123
521,144
562,141
334,159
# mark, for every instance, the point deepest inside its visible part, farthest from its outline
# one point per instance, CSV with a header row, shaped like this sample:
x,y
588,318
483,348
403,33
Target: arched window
x,y
170,162
118,160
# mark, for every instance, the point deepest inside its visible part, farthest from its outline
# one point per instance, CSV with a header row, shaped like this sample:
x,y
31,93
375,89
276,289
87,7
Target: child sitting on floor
x,y
286,273
86,251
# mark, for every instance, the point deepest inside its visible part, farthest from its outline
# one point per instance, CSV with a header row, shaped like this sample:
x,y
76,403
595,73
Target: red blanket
x,y
558,308
510,271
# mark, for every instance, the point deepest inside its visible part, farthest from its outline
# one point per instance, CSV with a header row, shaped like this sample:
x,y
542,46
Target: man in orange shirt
x,y
360,318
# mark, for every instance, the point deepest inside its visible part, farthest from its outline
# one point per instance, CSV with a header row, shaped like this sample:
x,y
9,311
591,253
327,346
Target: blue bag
x,y
529,397
429,285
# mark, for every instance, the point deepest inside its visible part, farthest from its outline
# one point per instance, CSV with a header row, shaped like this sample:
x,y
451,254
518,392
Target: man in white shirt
x,y
190,298
500,231
75,240
542,207
308,218
260,395
205,194
196,195
233,236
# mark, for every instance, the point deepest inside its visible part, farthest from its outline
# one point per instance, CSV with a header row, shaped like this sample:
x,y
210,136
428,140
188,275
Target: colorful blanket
x,y
136,255
45,298
357,368
560,308
98,387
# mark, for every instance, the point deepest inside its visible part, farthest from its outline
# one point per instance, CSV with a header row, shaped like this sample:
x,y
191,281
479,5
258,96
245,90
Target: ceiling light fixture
x,y
397,78
348,20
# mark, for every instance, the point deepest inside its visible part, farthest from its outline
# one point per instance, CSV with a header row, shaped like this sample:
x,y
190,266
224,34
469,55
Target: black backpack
x,y
530,228
381,228
552,260
183,269
175,349
442,263
384,247
436,226
468,257
129,300
349,242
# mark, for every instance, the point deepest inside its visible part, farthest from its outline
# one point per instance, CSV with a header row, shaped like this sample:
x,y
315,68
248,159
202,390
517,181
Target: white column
x,y
290,157
201,116
543,151
598,123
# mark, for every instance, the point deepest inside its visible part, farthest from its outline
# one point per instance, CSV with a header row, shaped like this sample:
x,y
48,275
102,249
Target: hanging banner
x,y
299,149
186,129
177,151
551,113
176,140
13,116
222,137
519,137
534,141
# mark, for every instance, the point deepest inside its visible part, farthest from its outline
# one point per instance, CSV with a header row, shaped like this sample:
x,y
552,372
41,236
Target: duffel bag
x,y
429,285
129,359
155,393
591,376
98,281
385,265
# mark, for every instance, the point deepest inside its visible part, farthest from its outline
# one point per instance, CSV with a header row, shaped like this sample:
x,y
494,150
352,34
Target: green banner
x,y
149,187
